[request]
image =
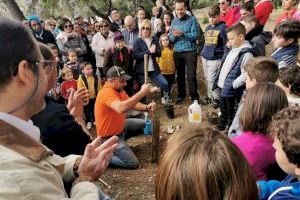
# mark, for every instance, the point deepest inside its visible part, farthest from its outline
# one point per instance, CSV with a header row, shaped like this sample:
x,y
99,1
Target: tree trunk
x,y
98,13
14,9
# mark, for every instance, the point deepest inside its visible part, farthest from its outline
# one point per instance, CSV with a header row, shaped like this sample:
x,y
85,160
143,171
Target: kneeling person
x,y
111,106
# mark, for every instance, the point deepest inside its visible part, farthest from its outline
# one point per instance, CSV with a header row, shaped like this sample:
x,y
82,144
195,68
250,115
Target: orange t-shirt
x,y
108,121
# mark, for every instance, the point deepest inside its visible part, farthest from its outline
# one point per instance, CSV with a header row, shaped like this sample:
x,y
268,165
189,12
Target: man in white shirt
x,y
28,169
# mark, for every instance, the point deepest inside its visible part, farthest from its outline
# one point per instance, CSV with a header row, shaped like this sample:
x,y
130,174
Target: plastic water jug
x,y
148,127
195,112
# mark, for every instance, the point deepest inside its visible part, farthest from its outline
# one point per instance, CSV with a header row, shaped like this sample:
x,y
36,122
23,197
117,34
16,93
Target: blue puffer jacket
x,y
228,90
140,49
288,189
189,26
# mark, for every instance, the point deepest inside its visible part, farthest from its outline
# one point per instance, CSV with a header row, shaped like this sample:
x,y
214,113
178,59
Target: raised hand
x,y
96,157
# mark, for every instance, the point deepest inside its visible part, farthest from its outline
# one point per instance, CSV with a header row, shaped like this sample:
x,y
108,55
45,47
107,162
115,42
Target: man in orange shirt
x,y
111,106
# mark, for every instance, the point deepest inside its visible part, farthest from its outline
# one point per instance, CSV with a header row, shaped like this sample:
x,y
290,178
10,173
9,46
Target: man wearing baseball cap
x,y
111,106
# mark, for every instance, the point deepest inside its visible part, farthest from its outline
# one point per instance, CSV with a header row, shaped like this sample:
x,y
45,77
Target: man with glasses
x,y
40,33
28,169
184,32
131,32
111,106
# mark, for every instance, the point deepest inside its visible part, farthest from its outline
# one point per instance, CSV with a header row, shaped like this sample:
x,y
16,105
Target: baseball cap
x,y
117,72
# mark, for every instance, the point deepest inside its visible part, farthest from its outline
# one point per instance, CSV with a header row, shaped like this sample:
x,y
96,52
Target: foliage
x,y
197,4
69,8
204,20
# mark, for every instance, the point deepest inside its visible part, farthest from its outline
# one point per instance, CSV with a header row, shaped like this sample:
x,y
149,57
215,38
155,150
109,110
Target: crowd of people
x,y
59,78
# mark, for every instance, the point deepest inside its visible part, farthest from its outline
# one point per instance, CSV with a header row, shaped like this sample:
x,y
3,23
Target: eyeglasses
x,y
103,26
146,28
33,25
48,66
68,26
35,64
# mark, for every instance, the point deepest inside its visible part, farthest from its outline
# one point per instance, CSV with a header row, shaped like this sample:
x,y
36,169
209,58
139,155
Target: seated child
x,y
289,81
285,129
232,77
258,70
89,81
261,103
255,33
69,85
285,39
212,52
73,63
202,164
121,56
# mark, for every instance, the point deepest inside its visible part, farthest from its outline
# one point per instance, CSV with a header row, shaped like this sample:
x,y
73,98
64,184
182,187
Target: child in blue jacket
x,y
286,131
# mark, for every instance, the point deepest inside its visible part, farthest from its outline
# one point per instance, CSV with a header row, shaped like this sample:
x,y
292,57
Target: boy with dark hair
x,y
285,39
286,132
232,77
257,70
289,81
89,81
212,52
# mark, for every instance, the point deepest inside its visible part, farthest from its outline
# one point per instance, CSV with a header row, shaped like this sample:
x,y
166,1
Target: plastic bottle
x,y
195,113
148,128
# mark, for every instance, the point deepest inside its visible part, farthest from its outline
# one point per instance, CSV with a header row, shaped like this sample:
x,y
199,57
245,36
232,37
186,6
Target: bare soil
x,y
138,184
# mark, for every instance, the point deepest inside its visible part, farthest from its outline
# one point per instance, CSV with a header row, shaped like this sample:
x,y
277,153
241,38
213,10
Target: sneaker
x,y
179,100
207,100
215,104
89,125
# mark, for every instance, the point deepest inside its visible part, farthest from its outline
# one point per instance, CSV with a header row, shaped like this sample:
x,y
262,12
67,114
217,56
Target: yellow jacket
x,y
90,87
166,61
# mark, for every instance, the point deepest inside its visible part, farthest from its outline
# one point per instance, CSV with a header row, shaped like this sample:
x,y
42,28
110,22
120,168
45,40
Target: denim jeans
x,y
210,69
157,78
123,156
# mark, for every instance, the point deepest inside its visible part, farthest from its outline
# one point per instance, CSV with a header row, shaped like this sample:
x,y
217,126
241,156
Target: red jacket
x,y
234,16
285,16
224,17
67,87
263,10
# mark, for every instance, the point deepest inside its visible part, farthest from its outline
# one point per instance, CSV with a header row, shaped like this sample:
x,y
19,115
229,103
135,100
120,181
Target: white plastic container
x,y
195,113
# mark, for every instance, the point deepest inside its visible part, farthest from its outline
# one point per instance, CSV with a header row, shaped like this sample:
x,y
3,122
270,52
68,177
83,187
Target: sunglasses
x,y
52,25
103,26
146,28
68,26
222,3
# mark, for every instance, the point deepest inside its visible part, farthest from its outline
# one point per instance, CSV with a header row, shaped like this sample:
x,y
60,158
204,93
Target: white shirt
x,y
26,127
151,66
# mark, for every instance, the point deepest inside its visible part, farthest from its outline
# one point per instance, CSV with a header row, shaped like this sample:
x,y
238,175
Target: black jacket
x,y
59,131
